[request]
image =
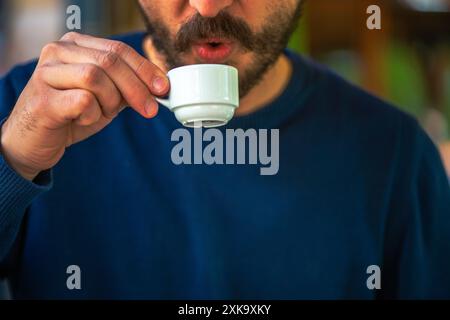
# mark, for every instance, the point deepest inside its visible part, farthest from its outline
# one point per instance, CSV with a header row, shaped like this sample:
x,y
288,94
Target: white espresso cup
x,y
203,95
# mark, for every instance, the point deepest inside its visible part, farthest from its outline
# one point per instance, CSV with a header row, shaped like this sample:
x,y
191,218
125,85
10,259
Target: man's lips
x,y
213,50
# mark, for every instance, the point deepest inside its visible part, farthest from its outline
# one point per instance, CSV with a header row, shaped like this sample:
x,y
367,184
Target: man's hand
x,y
80,85
445,153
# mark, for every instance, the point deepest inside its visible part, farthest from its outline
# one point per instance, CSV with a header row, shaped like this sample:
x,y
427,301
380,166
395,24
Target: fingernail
x,y
150,107
159,84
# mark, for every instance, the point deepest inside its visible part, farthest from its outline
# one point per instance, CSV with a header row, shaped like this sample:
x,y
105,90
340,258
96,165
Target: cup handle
x,y
164,102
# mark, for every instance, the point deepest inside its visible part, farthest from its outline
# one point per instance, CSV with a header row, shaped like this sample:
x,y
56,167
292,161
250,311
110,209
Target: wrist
x,y
21,169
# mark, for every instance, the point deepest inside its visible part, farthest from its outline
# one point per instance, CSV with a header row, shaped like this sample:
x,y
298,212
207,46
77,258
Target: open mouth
x,y
213,50
214,44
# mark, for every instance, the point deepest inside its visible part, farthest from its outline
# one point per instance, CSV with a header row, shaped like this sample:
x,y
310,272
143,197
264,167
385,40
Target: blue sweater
x,y
359,184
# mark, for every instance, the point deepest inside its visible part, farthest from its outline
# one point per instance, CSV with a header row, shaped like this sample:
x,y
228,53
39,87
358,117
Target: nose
x,y
210,8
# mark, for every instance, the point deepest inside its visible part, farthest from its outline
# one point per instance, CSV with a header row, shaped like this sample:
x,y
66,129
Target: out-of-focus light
x,y
428,5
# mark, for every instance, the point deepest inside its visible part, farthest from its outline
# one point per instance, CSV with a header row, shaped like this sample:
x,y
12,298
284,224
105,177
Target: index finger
x,y
158,83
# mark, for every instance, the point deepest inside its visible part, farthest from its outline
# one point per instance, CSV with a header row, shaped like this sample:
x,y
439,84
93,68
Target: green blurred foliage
x,y
299,39
405,79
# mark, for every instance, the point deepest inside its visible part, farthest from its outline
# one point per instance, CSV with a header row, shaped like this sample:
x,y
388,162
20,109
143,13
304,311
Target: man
x,y
93,207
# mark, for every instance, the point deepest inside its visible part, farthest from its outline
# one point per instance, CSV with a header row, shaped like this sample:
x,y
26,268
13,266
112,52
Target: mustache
x,y
223,25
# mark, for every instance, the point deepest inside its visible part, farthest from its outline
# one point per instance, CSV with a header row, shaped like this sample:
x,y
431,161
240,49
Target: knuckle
x,y
84,100
90,74
108,59
40,72
143,67
118,47
109,114
70,36
111,110
50,48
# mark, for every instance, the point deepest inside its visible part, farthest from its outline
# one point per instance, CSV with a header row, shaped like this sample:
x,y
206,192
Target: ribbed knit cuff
x,y
16,195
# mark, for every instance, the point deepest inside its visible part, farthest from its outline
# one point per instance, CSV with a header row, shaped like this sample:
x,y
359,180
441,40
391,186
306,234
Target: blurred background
x,y
407,62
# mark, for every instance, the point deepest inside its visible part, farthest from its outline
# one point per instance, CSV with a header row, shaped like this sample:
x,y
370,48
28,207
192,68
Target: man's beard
x,y
266,45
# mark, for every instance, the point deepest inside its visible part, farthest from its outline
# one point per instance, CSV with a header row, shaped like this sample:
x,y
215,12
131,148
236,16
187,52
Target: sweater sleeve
x,y
417,243
16,193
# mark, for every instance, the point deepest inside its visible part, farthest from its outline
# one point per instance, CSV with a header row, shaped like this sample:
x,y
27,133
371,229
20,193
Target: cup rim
x,y
206,65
